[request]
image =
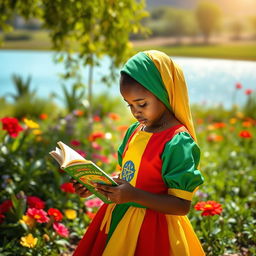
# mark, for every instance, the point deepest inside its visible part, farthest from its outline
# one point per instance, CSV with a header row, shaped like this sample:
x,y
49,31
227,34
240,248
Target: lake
x,y
210,81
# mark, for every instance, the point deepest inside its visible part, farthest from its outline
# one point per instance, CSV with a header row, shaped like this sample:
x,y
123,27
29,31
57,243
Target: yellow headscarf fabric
x,y
176,88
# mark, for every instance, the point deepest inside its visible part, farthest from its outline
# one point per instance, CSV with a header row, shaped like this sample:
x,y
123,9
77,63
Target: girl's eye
x,y
140,105
143,105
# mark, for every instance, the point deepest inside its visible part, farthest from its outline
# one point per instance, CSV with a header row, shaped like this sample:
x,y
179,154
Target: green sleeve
x,y
125,139
180,162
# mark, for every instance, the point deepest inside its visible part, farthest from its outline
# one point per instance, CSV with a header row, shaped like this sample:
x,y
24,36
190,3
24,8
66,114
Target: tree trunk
x,y
90,95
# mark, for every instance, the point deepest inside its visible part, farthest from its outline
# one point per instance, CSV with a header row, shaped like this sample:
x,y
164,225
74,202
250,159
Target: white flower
x,y
108,136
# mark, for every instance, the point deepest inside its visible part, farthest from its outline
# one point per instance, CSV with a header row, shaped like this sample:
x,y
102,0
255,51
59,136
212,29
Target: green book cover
x,y
82,170
89,173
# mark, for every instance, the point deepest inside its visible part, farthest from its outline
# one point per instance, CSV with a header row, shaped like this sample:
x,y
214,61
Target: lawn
x,y
39,40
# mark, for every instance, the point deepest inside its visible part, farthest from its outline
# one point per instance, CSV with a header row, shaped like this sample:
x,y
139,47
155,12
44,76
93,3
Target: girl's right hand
x,y
81,190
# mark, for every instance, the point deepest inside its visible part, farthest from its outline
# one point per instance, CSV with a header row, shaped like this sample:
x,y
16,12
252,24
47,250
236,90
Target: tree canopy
x,y
208,16
91,29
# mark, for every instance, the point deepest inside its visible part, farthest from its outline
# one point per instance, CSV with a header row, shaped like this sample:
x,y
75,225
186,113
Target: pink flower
x,y
75,143
248,91
238,86
38,214
81,152
102,158
95,202
60,229
35,202
96,146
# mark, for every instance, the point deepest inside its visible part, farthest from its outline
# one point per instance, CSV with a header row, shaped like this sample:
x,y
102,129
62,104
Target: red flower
x,y
5,206
11,125
248,91
75,143
96,135
209,208
238,86
245,134
43,116
91,215
38,214
60,229
78,112
35,202
67,187
219,125
96,119
57,215
1,218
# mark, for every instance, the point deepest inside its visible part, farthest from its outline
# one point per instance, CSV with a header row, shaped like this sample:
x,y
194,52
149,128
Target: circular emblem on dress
x,y
128,171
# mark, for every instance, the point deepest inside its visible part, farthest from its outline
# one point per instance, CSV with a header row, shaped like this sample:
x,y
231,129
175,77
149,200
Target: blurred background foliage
x,y
91,30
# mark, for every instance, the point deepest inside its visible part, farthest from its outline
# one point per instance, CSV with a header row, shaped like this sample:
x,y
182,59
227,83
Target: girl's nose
x,y
136,111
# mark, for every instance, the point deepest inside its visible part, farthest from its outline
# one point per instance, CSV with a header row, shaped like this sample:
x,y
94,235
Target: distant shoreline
x,y
223,47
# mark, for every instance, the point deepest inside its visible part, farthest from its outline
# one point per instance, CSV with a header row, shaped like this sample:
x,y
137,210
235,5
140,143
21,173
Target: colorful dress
x,y
161,163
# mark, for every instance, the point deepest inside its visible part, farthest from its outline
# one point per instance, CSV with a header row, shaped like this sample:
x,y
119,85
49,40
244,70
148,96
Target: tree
x,y
236,29
83,31
252,20
208,16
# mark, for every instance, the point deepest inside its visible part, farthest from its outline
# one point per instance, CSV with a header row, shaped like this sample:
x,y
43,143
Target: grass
x,y
238,52
40,40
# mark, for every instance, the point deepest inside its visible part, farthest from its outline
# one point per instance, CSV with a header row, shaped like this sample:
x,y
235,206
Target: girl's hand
x,y
81,190
122,193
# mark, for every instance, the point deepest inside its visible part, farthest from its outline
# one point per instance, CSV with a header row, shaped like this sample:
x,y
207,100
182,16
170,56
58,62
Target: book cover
x,y
84,171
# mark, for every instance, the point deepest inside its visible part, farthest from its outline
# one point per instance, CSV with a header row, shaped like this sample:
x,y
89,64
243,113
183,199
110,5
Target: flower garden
x,y
41,215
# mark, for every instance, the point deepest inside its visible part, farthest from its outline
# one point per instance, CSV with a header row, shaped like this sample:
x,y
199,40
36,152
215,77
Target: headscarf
x,y
159,74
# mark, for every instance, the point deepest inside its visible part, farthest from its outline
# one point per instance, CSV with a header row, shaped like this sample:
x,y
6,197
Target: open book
x,y
80,169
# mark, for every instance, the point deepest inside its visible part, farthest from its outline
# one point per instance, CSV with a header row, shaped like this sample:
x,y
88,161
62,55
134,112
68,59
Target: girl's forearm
x,y
162,203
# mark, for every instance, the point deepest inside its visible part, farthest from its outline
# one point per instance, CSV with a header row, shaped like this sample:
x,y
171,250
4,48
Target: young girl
x,y
159,159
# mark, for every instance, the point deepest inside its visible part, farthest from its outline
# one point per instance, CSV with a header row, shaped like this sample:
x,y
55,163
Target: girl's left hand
x,y
120,194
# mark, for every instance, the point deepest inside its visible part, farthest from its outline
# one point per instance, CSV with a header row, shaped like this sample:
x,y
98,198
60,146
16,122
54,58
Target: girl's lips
x,y
142,120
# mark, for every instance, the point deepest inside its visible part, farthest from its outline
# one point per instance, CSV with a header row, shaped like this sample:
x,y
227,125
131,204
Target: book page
x,y
56,156
70,155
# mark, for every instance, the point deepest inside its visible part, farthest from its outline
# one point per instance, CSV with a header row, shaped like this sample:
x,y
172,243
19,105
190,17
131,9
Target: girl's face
x,y
145,107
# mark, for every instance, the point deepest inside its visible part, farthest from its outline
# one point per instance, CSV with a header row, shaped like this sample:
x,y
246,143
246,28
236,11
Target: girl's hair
x,y
125,79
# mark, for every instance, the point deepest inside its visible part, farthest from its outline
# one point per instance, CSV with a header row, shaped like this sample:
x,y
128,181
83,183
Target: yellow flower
x,y
70,214
28,241
31,124
232,120
30,222
39,138
240,115
210,127
37,132
46,237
